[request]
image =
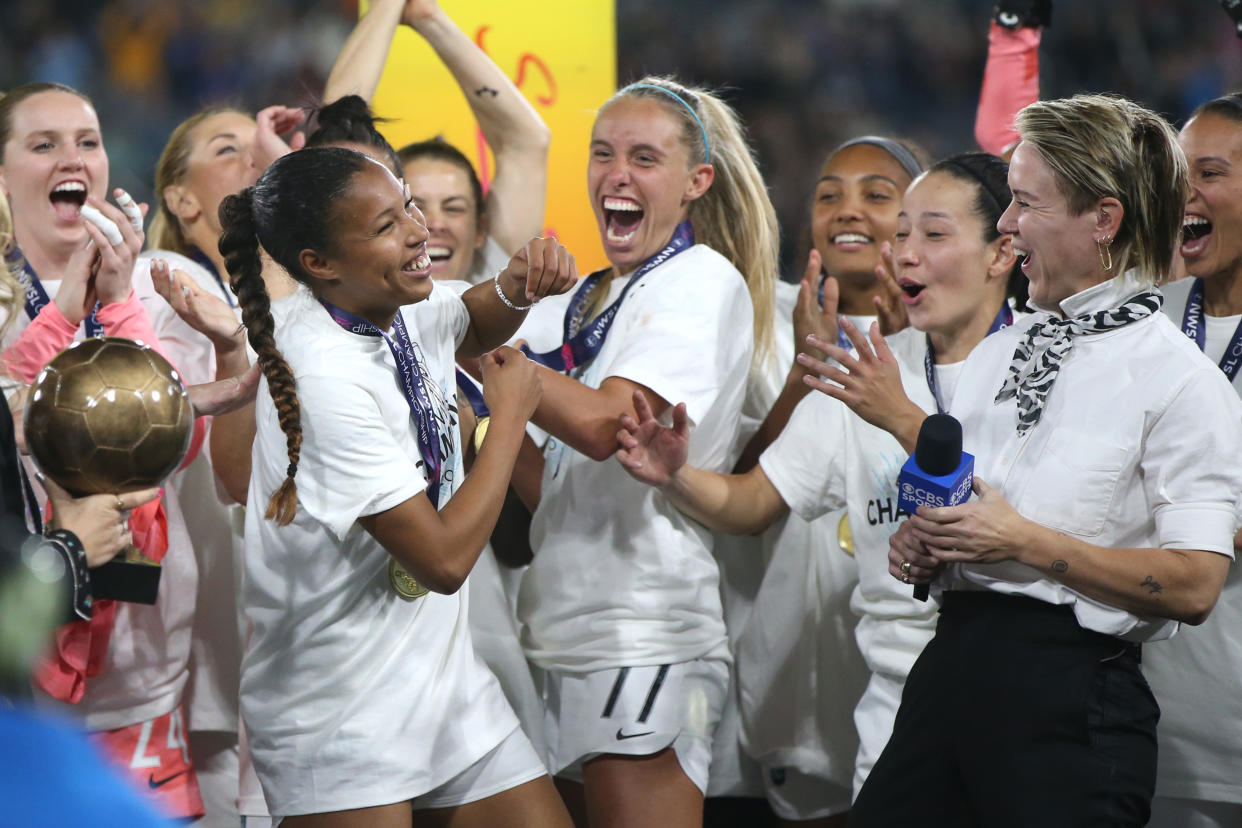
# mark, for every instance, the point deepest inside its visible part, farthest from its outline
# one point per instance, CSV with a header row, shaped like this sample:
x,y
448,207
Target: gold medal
x,y
845,538
480,432
403,582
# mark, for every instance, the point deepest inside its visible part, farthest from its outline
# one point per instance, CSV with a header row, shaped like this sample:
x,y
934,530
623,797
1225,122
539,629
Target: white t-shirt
x,y
146,666
1139,446
826,458
352,695
620,577
1197,675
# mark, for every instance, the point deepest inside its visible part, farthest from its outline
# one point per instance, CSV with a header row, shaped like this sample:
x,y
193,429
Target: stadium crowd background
x,y
802,73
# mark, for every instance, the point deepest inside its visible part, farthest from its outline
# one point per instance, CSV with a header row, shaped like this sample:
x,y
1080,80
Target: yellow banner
x,y
562,58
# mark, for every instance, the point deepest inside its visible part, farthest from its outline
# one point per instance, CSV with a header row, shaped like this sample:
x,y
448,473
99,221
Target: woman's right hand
x,y
101,521
650,452
511,383
889,309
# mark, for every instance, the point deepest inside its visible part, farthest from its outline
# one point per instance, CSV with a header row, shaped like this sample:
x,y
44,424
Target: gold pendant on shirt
x,y
403,582
845,538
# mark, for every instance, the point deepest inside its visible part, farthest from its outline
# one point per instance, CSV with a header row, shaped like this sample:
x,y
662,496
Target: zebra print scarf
x,y
1037,359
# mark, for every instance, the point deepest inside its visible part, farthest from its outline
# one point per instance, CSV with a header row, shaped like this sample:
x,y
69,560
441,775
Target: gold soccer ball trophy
x,y
110,415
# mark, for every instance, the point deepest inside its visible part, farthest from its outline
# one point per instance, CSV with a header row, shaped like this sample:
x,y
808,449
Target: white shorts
x,y
511,763
635,711
874,717
796,796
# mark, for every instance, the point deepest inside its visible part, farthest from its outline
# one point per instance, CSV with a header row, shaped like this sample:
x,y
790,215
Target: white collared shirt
x,y
1139,446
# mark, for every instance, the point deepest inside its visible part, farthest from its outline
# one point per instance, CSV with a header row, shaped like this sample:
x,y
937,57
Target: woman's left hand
x,y
986,530
890,311
543,267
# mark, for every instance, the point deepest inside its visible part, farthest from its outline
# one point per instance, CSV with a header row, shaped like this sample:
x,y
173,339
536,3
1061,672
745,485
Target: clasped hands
x,y
985,530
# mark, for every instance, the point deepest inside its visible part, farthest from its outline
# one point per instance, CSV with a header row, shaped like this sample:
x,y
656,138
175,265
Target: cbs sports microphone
x,y
939,473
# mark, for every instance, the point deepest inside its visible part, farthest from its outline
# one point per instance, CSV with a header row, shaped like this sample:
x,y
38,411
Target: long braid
x,y
239,245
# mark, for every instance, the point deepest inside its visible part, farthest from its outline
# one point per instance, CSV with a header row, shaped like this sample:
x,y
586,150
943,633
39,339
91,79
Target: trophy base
x,y
131,577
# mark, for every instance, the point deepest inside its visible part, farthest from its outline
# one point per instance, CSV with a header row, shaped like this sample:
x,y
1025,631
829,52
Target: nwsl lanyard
x,y
1193,326
36,300
1004,318
473,395
201,257
581,346
413,385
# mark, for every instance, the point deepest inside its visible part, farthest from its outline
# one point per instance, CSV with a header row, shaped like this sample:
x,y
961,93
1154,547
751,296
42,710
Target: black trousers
x,y
1015,717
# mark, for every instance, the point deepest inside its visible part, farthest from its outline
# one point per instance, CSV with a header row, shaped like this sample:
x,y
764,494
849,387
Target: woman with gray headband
x,y
620,607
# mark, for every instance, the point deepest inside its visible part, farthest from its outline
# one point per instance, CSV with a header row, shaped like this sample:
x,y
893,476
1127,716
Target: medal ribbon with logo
x,y
414,385
1193,326
582,344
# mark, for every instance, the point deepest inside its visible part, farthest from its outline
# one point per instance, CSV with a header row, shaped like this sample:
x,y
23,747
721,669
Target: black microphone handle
x,y
922,591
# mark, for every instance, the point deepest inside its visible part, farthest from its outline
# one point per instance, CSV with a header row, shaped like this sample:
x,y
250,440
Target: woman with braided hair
x,y
1118,445
360,689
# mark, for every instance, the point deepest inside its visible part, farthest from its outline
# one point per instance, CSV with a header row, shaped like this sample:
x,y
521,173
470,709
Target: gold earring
x,y
1104,248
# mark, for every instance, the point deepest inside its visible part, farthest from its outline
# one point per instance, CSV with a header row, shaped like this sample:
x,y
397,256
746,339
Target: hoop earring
x,y
1104,248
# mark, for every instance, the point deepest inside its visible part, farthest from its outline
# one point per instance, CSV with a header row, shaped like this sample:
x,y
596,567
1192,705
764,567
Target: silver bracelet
x,y
505,299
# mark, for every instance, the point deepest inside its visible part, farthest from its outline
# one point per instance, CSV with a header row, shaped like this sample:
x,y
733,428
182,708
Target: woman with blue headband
x,y
621,605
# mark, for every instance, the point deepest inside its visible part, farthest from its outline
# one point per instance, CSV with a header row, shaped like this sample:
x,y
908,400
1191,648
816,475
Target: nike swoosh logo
x,y
154,784
623,736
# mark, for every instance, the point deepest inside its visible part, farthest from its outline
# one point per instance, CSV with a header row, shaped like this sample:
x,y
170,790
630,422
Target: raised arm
x,y
740,504
517,135
360,63
1011,75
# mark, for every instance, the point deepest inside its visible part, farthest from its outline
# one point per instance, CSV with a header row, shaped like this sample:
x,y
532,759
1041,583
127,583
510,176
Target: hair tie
x,y
707,146
292,470
900,154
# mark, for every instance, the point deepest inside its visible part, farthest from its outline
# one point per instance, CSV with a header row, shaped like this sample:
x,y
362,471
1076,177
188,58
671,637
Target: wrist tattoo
x,y
1060,566
486,90
1152,585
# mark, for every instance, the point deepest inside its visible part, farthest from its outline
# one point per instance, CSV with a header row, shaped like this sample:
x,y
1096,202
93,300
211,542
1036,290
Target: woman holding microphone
x,y
1108,463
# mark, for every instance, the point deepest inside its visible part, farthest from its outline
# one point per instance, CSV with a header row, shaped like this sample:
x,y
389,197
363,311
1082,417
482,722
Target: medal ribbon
x,y
474,396
36,300
1193,326
1004,318
581,346
413,384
